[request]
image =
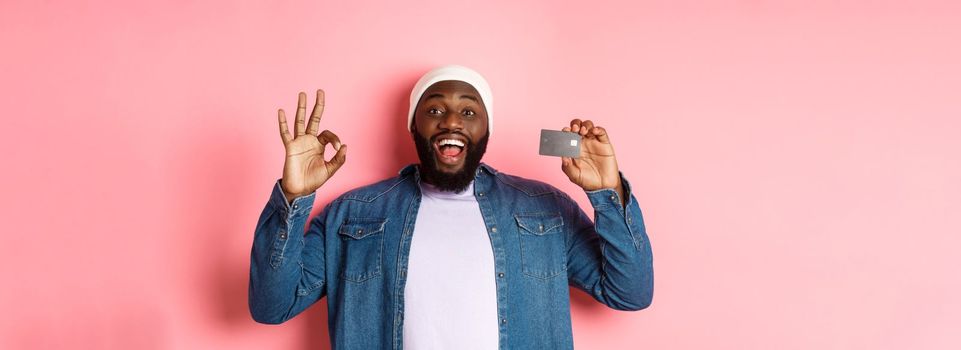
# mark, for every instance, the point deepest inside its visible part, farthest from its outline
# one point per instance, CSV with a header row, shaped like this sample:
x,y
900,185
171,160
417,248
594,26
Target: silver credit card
x,y
560,144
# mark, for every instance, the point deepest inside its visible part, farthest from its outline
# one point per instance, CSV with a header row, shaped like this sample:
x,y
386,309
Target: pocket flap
x,y
539,223
358,228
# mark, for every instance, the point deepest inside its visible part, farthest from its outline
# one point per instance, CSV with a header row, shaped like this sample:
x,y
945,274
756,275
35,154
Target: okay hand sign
x,y
305,168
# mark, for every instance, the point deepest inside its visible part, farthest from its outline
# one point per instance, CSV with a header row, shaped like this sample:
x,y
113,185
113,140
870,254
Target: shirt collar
x,y
412,168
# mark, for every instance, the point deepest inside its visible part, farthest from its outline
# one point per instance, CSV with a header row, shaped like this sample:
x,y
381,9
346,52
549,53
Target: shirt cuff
x,y
300,206
609,197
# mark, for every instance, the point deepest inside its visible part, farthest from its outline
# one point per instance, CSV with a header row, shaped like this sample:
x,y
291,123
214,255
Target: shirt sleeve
x,y
286,265
610,257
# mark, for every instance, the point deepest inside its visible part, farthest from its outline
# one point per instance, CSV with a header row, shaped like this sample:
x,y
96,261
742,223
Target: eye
x,y
434,111
468,112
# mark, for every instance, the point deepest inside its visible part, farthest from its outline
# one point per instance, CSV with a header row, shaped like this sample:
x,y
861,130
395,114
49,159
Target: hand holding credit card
x,y
560,144
587,155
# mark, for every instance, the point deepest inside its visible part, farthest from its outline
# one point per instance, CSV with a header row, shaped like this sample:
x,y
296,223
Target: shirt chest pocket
x,y
543,244
362,246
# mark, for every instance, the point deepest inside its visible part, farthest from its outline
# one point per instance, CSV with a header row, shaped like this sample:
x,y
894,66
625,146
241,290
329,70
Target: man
x,y
451,253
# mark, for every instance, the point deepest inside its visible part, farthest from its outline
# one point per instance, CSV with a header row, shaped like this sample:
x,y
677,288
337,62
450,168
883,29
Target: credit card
x,y
560,144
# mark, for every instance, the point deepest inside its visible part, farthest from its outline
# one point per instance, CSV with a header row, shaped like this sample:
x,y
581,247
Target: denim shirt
x,y
355,253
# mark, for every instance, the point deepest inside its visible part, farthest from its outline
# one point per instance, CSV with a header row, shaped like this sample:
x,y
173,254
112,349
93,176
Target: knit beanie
x,y
458,73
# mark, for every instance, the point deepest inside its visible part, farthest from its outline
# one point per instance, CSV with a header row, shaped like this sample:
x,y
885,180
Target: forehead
x,y
451,88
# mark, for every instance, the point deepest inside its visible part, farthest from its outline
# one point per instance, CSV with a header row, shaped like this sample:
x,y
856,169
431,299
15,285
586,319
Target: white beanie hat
x,y
458,73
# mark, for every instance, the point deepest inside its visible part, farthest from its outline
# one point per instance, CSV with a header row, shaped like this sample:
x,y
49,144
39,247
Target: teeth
x,y
457,143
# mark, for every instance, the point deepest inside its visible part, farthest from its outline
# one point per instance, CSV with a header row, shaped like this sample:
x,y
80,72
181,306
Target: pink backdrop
x,y
797,162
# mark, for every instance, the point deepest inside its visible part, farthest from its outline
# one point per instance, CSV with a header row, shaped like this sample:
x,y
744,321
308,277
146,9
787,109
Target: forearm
x,y
276,267
613,259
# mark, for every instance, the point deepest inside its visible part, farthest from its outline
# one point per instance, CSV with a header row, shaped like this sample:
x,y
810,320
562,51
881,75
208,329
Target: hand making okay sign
x,y
305,168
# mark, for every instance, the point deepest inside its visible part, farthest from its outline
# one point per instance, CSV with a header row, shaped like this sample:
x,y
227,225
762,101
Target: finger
x,y
318,111
284,130
575,125
326,137
337,160
301,110
566,128
601,134
585,127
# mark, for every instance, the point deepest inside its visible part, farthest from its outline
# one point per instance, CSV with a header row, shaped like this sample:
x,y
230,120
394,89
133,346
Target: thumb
x,y
338,159
567,165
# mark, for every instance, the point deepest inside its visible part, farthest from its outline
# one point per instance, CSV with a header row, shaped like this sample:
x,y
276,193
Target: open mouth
x,y
450,150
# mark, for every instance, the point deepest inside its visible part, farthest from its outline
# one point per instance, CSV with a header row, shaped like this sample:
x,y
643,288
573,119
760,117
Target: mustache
x,y
442,134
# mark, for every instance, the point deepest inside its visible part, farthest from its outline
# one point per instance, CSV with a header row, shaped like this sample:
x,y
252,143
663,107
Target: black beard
x,y
456,182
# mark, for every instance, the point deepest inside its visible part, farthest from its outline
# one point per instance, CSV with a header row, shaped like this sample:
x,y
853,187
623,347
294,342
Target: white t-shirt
x,y
450,299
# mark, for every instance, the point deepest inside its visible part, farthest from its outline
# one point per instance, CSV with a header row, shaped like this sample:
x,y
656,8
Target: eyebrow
x,y
439,95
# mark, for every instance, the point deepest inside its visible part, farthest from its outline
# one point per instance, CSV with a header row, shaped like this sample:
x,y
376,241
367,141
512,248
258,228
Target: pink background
x,y
797,162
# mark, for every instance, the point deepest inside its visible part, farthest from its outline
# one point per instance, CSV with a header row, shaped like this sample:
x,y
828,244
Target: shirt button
x,y
360,232
403,273
283,235
295,206
481,194
628,220
613,197
540,228
503,321
501,275
494,229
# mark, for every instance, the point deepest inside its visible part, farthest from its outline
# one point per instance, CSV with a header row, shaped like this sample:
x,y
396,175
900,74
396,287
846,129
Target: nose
x,y
451,121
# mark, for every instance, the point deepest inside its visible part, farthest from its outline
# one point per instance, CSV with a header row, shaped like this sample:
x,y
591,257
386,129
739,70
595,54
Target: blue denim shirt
x,y
355,253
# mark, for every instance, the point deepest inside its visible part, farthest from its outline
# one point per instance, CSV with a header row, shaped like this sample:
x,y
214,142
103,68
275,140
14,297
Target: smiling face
x,y
450,132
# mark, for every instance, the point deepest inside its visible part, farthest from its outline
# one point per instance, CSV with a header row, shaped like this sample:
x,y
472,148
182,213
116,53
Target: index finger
x,y
316,114
601,134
